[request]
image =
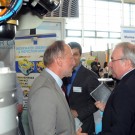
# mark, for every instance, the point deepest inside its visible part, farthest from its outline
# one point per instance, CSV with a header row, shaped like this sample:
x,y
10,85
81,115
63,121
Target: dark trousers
x,y
20,125
88,126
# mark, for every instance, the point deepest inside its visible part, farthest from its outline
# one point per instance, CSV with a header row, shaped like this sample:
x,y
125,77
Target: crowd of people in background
x,y
101,72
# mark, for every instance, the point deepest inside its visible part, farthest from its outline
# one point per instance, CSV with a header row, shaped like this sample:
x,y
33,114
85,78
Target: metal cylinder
x,y
8,110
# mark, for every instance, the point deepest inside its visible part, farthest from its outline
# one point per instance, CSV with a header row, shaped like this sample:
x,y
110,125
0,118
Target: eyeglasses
x,y
117,59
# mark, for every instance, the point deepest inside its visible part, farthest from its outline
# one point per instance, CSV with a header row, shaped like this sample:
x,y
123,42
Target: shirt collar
x,y
127,73
77,68
56,77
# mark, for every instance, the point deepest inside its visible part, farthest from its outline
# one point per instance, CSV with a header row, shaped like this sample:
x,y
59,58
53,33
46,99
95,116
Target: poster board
x,y
128,34
29,59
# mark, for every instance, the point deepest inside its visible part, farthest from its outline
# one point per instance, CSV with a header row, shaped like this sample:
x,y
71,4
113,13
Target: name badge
x,y
77,89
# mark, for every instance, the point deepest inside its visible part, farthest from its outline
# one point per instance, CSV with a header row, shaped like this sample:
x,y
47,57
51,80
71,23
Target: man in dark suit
x,y
119,112
82,82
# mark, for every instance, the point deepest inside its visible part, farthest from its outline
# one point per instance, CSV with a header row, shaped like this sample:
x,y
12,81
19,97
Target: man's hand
x,y
79,132
74,112
100,105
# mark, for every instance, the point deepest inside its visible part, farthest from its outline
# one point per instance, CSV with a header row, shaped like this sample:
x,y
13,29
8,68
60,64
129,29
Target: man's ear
x,y
128,63
59,61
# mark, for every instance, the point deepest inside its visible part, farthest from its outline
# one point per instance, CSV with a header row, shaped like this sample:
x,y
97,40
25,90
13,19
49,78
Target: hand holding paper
x,y
101,93
100,105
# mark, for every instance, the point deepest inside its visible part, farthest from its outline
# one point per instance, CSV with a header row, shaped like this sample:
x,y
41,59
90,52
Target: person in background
x,y
48,110
106,70
119,111
79,86
19,97
95,66
101,73
107,74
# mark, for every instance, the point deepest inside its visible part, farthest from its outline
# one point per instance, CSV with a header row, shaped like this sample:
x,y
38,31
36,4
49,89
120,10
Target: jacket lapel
x,y
76,81
63,100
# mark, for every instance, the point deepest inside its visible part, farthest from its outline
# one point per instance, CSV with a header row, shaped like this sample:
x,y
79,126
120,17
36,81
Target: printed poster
x,y
128,34
29,59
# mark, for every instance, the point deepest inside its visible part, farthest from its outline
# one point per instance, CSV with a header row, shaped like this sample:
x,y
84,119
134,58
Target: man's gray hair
x,y
128,50
53,51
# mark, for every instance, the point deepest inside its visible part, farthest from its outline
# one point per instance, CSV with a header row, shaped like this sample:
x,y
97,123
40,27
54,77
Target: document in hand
x,y
101,93
78,124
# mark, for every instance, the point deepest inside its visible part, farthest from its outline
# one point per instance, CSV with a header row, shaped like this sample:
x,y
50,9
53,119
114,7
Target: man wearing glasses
x,y
119,111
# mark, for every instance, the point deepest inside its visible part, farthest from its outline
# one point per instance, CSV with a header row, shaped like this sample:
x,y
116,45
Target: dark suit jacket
x,y
82,101
119,114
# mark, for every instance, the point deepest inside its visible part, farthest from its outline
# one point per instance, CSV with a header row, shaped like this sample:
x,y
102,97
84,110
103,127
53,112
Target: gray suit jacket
x,y
48,111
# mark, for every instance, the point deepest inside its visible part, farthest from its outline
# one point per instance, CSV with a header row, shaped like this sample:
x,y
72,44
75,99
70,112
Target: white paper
x,y
78,124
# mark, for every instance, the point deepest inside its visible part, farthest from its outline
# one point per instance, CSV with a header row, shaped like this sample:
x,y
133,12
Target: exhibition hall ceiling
x,y
124,1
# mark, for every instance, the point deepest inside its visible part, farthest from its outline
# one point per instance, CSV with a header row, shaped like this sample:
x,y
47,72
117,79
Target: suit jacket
x,y
119,113
82,101
48,111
